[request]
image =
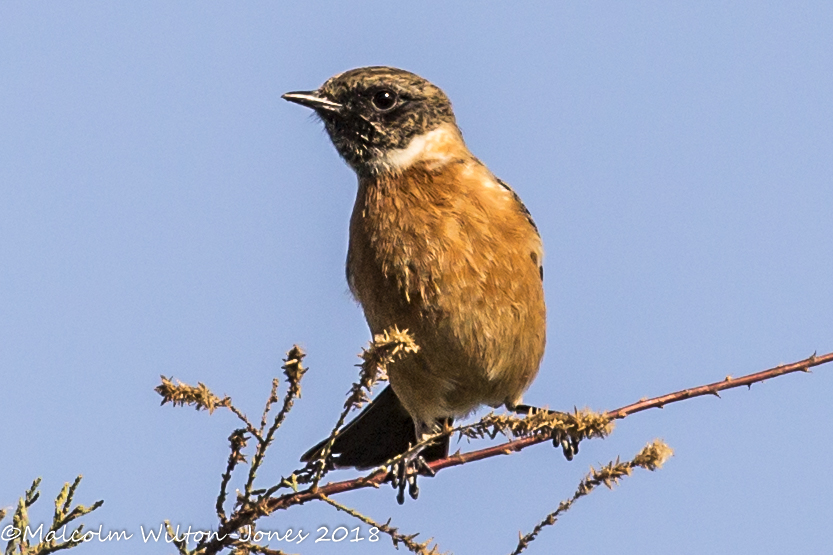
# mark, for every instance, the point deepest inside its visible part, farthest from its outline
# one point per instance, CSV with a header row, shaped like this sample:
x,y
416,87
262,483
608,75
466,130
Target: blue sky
x,y
163,211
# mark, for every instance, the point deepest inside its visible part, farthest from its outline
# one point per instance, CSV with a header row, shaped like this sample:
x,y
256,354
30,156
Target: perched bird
x,y
438,246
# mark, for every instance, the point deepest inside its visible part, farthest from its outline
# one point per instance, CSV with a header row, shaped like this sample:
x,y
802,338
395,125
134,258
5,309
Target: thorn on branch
x,y
526,430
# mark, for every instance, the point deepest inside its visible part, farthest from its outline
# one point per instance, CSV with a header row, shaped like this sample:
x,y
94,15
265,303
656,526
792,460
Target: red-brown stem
x,y
656,402
284,501
727,383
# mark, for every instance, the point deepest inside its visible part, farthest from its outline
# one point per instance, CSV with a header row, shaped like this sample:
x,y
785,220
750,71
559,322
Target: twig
x,y
652,457
656,402
273,398
727,383
519,444
272,504
385,348
395,536
64,514
201,398
293,370
237,442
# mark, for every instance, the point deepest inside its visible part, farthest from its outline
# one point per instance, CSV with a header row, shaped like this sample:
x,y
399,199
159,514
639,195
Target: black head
x,y
370,110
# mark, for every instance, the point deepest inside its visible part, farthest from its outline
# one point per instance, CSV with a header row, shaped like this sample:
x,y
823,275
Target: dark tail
x,y
381,431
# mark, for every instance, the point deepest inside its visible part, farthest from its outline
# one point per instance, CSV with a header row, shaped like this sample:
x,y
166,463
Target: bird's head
x,y
373,113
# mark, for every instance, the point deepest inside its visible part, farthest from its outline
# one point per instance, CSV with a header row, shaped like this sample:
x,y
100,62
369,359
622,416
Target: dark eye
x,y
384,100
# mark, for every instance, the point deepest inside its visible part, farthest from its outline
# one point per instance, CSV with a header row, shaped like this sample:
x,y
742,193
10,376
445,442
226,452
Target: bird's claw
x,y
404,473
569,446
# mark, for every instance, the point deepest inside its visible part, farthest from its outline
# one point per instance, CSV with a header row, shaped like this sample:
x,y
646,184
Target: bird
x,y
438,246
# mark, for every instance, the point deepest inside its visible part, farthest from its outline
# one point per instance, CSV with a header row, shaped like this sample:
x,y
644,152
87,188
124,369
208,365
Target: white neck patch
x,y
435,147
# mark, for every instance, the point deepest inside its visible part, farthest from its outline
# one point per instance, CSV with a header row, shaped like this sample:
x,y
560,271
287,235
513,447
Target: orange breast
x,y
449,254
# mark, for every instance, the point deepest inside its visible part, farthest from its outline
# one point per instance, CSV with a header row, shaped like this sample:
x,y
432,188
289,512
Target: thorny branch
x,y
533,429
645,404
378,477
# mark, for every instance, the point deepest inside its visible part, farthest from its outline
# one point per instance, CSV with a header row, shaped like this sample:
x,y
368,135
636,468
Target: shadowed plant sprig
x,y
385,349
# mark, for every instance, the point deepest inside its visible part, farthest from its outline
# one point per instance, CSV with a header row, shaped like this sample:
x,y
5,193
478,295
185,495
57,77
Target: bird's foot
x,y
569,446
404,474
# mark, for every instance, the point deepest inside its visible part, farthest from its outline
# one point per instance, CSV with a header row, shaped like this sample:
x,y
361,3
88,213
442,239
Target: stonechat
x,y
438,246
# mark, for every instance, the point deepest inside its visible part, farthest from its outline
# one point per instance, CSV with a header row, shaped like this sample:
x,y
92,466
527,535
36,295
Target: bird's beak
x,y
314,100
